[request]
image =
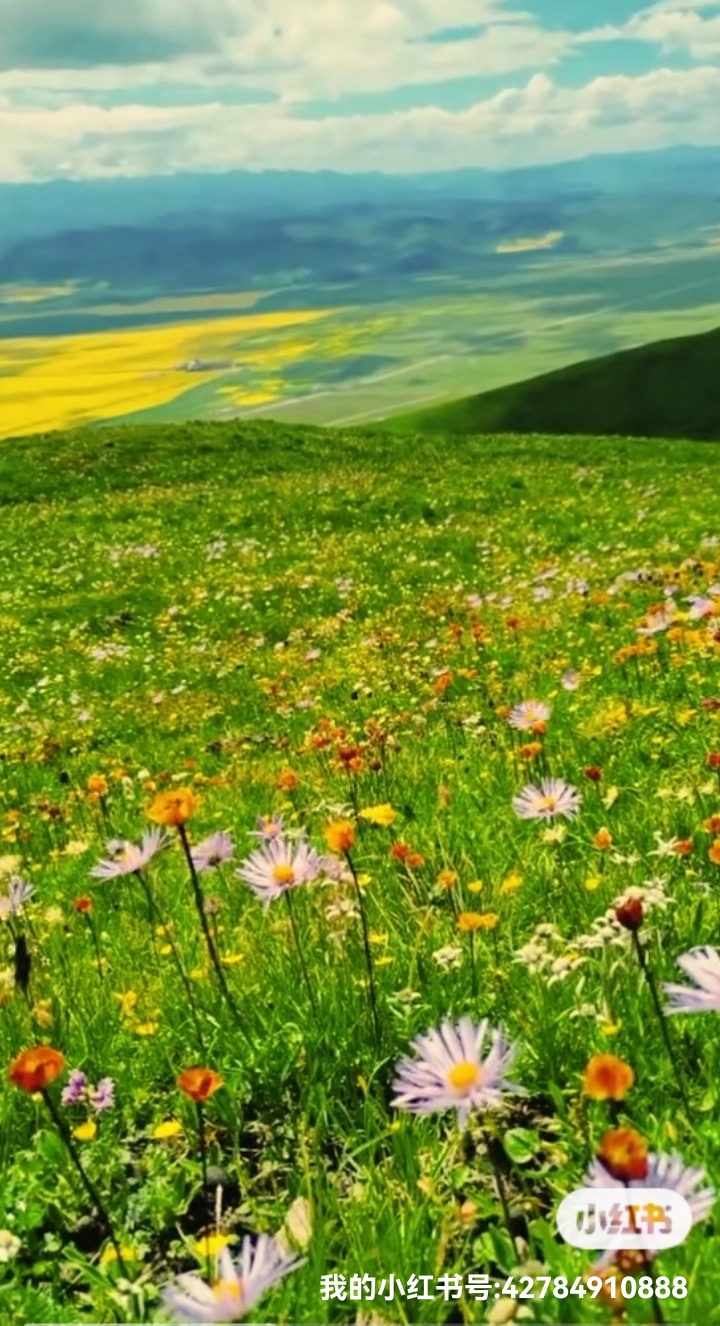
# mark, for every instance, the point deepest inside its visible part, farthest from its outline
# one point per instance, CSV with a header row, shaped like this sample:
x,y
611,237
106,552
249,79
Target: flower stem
x,y
502,1195
212,951
642,959
187,983
87,1183
203,1163
301,956
368,954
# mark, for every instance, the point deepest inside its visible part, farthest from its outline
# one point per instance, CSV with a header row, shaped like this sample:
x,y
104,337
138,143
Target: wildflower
x,y
530,716
712,760
630,914
85,1131
552,797
570,680
607,1078
83,905
34,1070
447,879
74,1092
278,866
212,851
469,921
714,852
199,1083
168,1128
173,809
97,785
511,883
9,1245
268,827
623,1155
593,773
19,892
126,858
288,781
449,1072
237,1286
103,1096
383,815
603,839
656,1170
702,965
339,836
449,956
530,750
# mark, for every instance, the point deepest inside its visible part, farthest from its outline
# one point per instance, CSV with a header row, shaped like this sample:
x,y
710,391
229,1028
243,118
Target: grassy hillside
x,y
335,626
667,389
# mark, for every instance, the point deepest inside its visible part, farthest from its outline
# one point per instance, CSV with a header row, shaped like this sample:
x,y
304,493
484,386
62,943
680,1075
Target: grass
x,y
666,389
230,608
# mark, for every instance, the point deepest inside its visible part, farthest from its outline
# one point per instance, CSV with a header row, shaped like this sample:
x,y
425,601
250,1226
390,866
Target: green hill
x,y
666,389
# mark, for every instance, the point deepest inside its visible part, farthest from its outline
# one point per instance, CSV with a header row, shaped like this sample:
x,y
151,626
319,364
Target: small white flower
x,y
449,1071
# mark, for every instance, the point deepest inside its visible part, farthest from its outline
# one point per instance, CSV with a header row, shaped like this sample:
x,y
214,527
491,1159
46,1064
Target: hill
x,y
666,389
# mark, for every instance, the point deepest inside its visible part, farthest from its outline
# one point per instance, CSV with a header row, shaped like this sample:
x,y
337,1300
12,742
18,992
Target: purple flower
x,y
212,851
702,965
268,827
75,1090
19,892
103,1097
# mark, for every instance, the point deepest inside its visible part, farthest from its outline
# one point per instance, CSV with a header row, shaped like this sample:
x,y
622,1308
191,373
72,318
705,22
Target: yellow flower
x,y
378,937
85,1131
168,1128
384,961
110,1255
512,883
232,959
592,883
447,879
611,1028
127,1000
339,836
212,1244
475,886
383,815
172,809
145,1028
97,785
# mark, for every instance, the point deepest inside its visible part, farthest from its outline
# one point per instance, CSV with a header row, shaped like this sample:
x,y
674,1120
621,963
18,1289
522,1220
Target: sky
x,y
94,88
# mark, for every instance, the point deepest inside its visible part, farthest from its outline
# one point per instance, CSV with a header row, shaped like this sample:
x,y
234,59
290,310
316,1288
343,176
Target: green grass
x,y
666,389
165,591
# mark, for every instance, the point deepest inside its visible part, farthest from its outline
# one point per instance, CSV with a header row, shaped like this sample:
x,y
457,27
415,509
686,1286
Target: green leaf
x,y
521,1144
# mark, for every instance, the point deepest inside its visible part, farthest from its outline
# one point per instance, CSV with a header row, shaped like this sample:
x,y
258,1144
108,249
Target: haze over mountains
x,y
186,232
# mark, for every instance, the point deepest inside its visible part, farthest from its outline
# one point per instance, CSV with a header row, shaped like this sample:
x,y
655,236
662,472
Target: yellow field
x,y
59,382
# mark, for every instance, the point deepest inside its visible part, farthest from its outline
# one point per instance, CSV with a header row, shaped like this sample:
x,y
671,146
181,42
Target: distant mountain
x,y
666,389
67,205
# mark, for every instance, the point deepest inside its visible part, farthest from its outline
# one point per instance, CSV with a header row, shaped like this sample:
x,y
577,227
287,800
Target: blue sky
x,y
92,89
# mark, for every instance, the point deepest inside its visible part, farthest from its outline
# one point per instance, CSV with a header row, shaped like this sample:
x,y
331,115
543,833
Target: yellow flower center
x,y
284,875
464,1075
548,803
224,1289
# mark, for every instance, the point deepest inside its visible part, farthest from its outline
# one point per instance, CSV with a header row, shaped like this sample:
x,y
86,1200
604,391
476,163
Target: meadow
x,y
380,641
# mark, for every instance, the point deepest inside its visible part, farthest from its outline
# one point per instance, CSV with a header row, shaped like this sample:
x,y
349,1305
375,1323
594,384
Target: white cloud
x,y
541,122
674,27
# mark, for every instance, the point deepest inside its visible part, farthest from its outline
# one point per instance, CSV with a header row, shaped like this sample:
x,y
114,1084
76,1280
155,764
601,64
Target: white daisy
x,y
449,1071
280,865
126,858
552,797
663,1171
702,965
237,1288
526,715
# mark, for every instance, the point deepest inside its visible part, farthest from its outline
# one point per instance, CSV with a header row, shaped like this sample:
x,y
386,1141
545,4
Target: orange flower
x,y
683,847
288,781
172,809
713,760
712,825
714,852
593,773
83,904
624,1153
339,836
97,785
415,860
199,1083
35,1069
603,839
400,851
469,921
530,750
607,1077
447,879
